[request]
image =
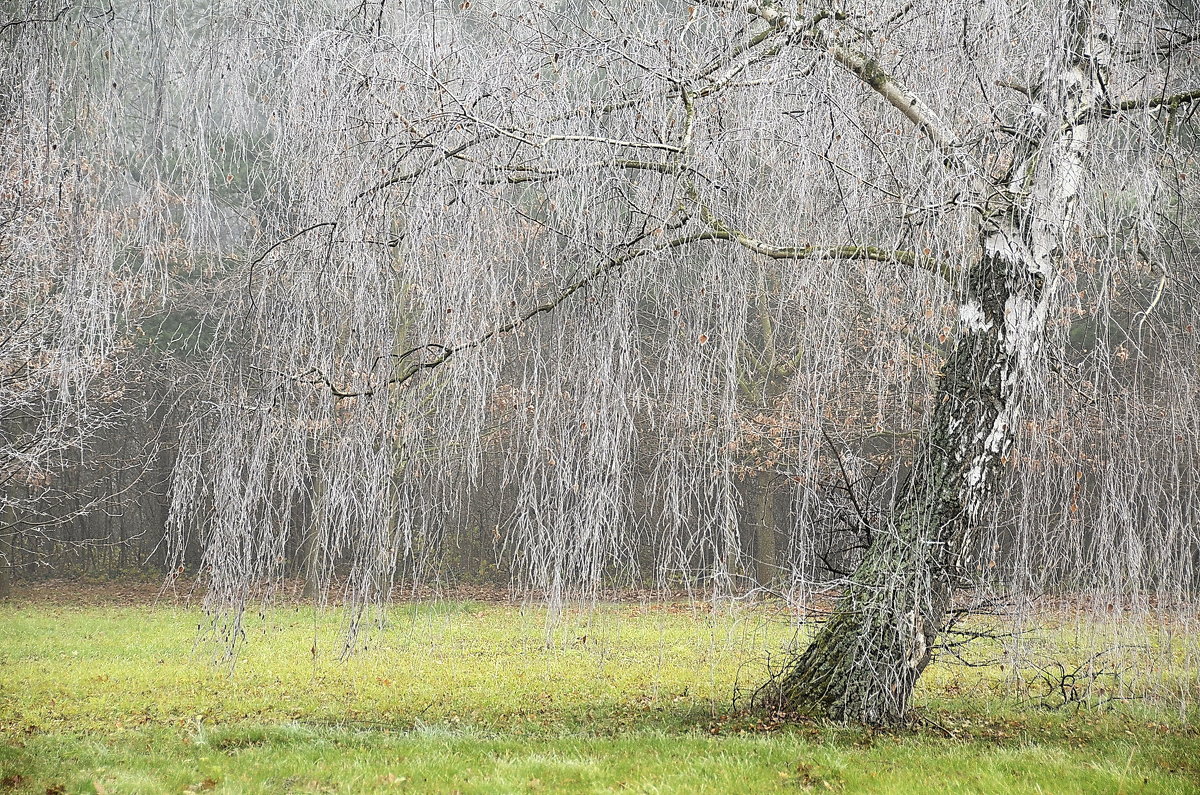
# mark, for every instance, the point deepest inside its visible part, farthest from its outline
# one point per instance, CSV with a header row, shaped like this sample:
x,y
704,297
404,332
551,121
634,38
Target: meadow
x,y
118,693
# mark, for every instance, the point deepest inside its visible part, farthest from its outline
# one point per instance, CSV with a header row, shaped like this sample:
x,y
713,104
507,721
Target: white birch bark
x,y
864,663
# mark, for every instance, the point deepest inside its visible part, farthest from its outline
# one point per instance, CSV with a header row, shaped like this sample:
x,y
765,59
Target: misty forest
x,y
514,396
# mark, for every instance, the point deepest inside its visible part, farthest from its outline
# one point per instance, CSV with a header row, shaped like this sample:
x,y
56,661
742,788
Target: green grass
x,y
474,697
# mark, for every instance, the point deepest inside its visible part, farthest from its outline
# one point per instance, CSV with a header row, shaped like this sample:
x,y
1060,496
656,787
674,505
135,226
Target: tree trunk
x,y
765,559
311,563
6,578
865,660
8,529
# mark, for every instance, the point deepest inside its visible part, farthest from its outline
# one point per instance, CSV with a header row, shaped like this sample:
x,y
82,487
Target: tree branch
x,y
18,22
916,110
933,265
257,260
1170,102
607,266
518,174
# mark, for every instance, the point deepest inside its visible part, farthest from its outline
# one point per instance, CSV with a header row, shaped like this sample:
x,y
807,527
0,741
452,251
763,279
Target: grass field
x,y
471,697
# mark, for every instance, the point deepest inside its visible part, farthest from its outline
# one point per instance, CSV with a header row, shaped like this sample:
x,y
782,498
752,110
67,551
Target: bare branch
x,y
1170,102
34,20
937,267
915,109
604,268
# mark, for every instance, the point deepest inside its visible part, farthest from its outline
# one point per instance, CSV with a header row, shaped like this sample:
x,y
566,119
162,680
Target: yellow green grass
x,y
481,697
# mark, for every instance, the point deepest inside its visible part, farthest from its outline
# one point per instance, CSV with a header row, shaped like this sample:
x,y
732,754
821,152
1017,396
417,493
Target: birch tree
x,y
521,252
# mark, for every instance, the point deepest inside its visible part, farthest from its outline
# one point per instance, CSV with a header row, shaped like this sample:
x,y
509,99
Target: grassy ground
x,y
471,697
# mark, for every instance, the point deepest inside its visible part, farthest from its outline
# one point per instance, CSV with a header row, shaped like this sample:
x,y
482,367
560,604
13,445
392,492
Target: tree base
x,y
856,671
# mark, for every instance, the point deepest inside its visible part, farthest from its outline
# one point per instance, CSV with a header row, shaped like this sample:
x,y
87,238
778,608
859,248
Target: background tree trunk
x,y
311,564
8,529
6,585
766,559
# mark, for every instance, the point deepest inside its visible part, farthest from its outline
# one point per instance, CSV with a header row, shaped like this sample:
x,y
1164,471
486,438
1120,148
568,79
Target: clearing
x,y
108,691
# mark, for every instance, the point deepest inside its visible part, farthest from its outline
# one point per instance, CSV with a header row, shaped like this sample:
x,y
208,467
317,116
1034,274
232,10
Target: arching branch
x,y
604,268
933,265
